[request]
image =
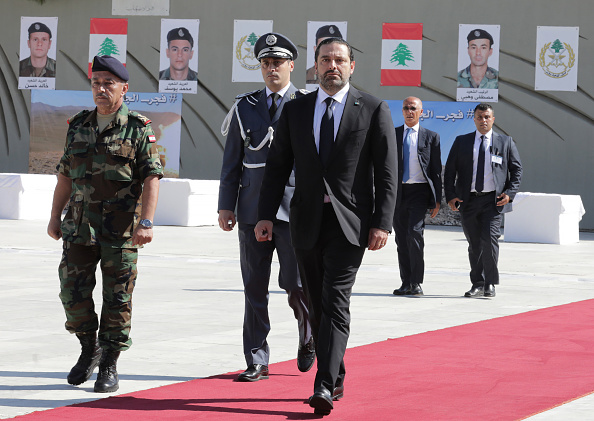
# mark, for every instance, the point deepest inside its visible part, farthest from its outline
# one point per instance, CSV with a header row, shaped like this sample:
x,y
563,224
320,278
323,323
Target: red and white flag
x,y
401,54
108,37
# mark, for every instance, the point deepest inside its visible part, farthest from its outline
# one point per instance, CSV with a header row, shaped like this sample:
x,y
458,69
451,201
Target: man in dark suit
x,y
482,176
343,145
419,189
250,126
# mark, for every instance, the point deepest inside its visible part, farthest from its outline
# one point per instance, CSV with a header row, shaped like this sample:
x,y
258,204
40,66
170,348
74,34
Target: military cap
x,y
111,65
328,31
180,33
479,34
39,27
275,45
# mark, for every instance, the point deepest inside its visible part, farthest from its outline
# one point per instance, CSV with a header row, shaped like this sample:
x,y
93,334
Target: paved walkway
x,y
188,308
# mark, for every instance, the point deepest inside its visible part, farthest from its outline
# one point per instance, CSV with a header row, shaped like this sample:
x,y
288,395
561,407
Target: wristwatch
x,y
147,223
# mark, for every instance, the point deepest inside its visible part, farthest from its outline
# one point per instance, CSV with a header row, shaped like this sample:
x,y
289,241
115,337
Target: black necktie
x,y
327,132
273,105
480,167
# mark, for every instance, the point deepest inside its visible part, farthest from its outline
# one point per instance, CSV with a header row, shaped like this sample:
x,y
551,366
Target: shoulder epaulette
x,y
304,91
143,119
80,114
249,96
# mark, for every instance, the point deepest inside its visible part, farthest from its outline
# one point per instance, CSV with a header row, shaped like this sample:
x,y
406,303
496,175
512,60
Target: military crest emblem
x,y
244,52
556,59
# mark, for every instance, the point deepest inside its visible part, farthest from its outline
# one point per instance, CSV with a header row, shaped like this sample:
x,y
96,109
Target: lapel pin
x,y
356,102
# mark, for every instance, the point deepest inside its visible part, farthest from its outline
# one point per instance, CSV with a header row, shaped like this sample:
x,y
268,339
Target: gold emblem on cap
x,y
37,26
180,32
477,33
270,40
331,30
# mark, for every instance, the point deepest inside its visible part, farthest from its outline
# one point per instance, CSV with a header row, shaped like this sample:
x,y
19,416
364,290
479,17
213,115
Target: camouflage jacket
x,y
166,74
107,170
490,80
26,69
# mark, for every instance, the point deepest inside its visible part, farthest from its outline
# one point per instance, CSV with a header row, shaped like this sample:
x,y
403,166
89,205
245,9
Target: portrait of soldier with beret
x,y
39,42
478,74
180,50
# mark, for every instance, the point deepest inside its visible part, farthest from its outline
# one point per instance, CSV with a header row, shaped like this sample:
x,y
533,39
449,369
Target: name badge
x,y
496,159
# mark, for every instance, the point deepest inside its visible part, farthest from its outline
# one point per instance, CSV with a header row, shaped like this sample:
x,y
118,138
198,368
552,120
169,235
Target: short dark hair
x,y
483,106
332,41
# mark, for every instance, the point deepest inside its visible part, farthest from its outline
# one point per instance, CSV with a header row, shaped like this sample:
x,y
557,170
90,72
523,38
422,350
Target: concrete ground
x,y
188,308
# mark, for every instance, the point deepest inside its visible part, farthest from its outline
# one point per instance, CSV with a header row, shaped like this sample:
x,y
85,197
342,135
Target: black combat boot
x,y
107,379
89,359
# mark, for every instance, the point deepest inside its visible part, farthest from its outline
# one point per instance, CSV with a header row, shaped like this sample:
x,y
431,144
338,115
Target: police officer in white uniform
x,y
249,128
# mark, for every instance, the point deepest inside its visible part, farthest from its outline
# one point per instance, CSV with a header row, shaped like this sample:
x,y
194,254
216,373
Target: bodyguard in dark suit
x,y
481,179
251,125
419,189
343,145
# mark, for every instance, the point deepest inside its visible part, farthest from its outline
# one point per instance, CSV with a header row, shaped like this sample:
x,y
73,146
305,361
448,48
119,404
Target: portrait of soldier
x,y
39,42
478,74
180,50
323,32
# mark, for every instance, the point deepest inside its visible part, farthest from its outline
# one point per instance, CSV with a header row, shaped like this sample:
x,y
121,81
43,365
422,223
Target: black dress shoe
x,y
306,356
321,402
338,393
254,373
415,289
403,290
475,291
489,290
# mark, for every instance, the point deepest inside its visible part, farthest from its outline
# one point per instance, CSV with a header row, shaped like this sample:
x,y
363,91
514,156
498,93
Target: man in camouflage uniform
x,y
110,160
250,126
478,74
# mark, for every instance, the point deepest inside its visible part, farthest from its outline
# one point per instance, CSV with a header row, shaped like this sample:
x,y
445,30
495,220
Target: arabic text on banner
x,y
556,58
401,54
108,37
246,68
449,119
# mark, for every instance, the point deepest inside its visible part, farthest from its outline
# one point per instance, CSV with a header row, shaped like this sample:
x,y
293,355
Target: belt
x,y
479,194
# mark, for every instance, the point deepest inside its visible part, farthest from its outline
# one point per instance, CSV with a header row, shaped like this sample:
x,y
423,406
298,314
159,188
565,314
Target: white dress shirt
x,y
337,110
489,184
281,94
414,168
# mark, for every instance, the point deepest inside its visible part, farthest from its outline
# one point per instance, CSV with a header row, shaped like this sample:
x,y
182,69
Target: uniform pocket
x,y
119,160
118,220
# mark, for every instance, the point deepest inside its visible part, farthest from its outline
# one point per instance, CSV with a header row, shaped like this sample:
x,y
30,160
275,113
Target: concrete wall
x,y
553,130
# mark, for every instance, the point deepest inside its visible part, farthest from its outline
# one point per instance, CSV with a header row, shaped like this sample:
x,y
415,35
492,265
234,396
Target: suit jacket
x,y
360,176
429,154
458,171
240,184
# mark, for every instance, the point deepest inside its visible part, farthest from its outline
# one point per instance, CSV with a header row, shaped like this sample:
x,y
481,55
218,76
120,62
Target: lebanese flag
x,y
108,37
401,54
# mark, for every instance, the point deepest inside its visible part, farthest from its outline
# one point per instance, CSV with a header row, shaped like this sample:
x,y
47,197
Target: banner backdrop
x,y
326,30
478,56
449,119
556,58
108,37
246,68
37,67
402,46
50,111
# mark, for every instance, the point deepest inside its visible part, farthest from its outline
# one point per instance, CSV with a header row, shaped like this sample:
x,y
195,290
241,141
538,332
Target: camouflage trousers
x,y
77,281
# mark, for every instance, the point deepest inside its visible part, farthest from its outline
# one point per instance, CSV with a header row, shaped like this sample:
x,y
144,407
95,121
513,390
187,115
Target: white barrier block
x,y
544,218
186,202
26,196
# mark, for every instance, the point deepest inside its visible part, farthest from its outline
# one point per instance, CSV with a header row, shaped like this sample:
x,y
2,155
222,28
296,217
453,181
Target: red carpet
x,y
502,369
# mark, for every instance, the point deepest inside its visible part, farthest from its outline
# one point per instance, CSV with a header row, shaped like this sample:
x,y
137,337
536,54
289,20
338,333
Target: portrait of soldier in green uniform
x,y
478,74
39,42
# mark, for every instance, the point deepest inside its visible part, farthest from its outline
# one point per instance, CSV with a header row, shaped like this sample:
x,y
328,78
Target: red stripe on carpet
x,y
501,369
